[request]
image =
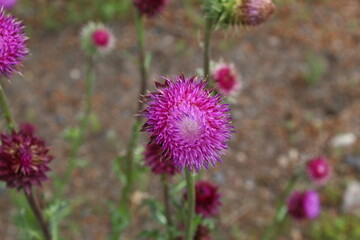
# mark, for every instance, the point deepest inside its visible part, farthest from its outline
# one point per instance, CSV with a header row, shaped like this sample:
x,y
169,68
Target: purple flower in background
x,y
226,78
24,159
12,44
150,7
318,170
7,4
191,126
153,158
207,199
304,205
255,12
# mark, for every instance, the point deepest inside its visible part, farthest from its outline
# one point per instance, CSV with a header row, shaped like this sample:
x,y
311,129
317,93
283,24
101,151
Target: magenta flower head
x,y
159,165
24,159
7,4
318,170
150,8
226,78
304,205
255,12
12,44
191,126
96,39
207,199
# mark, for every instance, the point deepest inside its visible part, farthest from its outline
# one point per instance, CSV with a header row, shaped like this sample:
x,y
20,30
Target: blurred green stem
x,y
207,40
77,142
10,123
139,22
273,230
189,219
165,183
38,214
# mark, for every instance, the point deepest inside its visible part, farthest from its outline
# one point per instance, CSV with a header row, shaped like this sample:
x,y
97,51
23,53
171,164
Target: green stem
x,y
10,123
207,39
272,231
189,220
165,183
38,214
139,23
76,144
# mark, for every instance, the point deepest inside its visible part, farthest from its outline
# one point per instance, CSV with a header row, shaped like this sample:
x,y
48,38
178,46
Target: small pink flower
x,y
97,39
318,170
226,78
304,205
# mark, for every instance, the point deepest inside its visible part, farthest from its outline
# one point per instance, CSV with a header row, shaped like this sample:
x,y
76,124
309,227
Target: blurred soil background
x,y
300,98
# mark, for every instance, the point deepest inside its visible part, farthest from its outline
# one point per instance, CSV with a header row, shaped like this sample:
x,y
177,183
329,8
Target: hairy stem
x,y
189,219
38,214
10,123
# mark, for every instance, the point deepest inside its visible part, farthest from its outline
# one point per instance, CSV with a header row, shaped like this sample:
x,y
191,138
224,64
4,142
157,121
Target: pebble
x,y
343,140
351,199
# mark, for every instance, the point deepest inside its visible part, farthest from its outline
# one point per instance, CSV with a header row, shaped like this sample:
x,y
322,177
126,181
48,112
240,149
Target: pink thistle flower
x,y
24,159
150,7
12,44
191,126
304,205
7,4
96,39
226,78
159,165
207,199
318,170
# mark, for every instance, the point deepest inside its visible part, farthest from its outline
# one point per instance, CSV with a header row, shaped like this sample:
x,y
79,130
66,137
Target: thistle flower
x,y
96,39
304,205
24,159
7,4
191,126
12,44
239,12
318,170
159,165
207,199
226,78
150,8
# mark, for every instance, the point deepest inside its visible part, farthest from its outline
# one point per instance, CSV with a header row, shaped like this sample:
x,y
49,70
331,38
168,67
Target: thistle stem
x,y
165,183
139,23
90,82
38,214
10,123
272,231
190,184
207,40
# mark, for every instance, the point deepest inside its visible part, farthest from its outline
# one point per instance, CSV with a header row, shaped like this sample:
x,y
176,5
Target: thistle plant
x,y
191,127
24,158
96,41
